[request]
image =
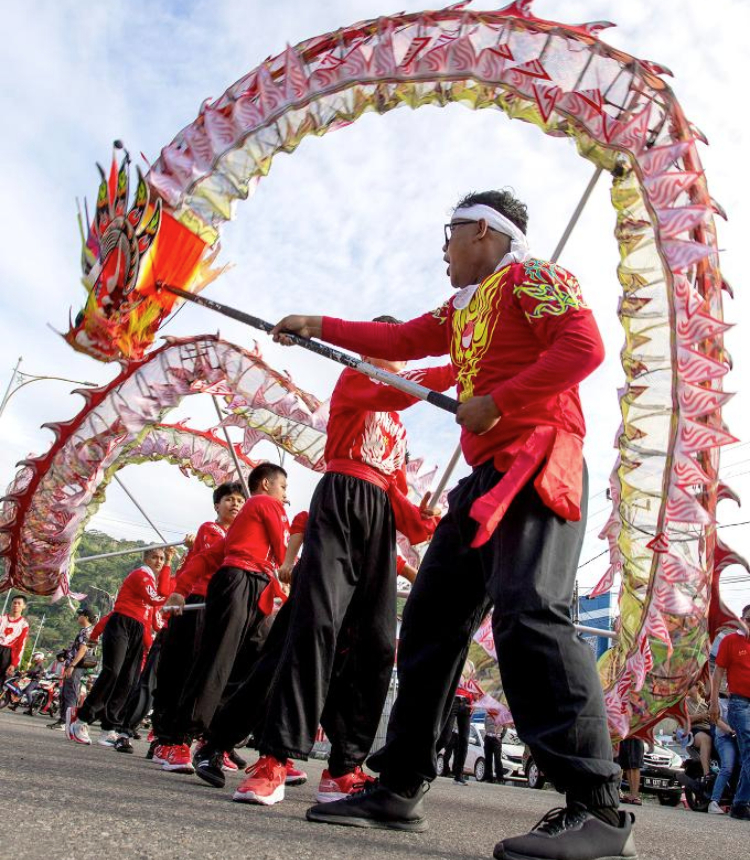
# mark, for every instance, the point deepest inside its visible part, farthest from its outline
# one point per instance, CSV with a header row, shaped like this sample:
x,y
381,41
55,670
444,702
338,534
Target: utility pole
x,y
8,390
39,632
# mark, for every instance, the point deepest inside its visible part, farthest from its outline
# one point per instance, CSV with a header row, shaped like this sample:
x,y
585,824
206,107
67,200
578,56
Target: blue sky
x,y
349,225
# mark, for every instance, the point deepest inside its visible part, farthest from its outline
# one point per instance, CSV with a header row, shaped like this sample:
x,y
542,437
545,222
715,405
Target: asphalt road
x,y
62,801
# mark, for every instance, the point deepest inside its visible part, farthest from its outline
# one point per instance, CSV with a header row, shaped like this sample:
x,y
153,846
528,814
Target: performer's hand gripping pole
x,y
392,379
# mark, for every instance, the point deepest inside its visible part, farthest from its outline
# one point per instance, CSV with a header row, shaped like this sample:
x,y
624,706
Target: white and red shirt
x,y
140,591
13,633
366,438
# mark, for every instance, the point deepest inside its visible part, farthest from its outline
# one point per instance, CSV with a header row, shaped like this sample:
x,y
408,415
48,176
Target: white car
x,y
512,755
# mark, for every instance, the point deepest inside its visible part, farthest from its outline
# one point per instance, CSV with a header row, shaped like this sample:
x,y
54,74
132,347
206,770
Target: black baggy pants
x,y
527,570
181,640
122,653
460,719
6,660
233,633
329,656
141,696
493,759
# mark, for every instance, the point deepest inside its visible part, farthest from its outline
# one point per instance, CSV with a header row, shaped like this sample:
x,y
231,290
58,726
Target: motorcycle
x,y
698,789
12,691
44,698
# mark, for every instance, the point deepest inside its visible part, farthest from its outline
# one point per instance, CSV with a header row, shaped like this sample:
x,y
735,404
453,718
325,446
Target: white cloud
x,y
349,225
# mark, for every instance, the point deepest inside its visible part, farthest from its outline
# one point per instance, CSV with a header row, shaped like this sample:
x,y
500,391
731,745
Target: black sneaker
x,y
572,831
374,806
237,759
209,767
151,747
123,745
740,810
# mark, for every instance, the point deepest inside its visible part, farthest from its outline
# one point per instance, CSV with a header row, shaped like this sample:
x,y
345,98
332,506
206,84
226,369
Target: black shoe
x,y
151,747
58,724
740,810
209,767
136,735
123,745
461,780
233,756
572,831
374,806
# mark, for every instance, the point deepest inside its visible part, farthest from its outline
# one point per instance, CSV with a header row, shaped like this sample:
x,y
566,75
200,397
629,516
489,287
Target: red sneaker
x,y
337,788
177,759
264,783
160,754
151,737
228,764
294,776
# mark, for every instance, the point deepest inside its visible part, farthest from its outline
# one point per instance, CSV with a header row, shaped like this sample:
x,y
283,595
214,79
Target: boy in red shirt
x,y
520,338
182,637
122,649
239,595
329,656
14,629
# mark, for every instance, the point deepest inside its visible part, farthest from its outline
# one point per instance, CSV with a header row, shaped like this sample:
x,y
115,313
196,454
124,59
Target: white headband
x,y
519,247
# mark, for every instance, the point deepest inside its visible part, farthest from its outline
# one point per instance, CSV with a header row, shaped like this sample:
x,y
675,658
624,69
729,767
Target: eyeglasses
x,y
448,228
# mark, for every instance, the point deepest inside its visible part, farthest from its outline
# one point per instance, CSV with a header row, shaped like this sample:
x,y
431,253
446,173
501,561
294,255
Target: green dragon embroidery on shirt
x,y
554,290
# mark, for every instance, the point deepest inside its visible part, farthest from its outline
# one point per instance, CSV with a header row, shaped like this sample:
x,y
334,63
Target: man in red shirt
x,y
182,637
520,338
14,629
329,656
122,650
733,661
239,596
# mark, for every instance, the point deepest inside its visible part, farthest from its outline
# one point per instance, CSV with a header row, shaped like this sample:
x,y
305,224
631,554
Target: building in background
x,y
598,612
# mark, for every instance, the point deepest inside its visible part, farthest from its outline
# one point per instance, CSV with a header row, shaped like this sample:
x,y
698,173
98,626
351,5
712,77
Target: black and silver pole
x,y
449,404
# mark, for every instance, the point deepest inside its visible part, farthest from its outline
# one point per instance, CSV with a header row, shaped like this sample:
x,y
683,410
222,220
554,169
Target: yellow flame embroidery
x,y
473,328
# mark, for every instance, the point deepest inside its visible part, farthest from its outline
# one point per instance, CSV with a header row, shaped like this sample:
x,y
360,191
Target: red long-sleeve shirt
x,y
255,541
526,338
13,634
365,435
208,534
140,591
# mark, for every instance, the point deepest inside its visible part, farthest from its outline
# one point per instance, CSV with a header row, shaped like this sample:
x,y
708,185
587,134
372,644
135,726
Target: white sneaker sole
x,y
103,743
177,768
330,796
276,796
81,741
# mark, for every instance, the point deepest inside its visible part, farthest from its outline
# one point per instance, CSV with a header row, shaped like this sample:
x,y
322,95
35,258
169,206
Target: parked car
x,y
512,756
474,764
661,767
